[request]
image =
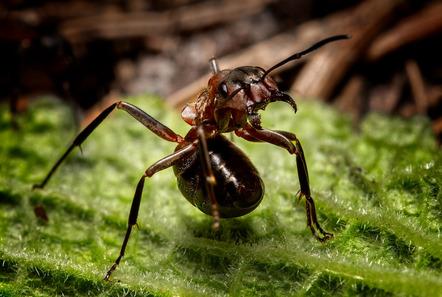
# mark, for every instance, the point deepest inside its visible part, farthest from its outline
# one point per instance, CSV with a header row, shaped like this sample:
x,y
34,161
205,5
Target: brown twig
x,y
322,74
417,85
116,24
418,26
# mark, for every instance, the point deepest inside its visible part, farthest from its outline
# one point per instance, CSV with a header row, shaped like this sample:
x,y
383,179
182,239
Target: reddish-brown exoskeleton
x,y
212,173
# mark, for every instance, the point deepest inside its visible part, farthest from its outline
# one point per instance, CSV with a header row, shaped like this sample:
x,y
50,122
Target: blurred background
x,y
90,53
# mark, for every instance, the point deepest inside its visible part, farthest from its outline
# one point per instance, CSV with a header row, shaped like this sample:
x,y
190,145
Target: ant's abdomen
x,y
239,189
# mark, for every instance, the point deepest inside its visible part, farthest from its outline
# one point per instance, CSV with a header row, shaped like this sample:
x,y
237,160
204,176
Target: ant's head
x,y
240,93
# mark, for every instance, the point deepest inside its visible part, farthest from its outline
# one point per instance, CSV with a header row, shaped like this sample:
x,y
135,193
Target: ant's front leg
x,y
209,177
301,165
134,209
148,121
284,139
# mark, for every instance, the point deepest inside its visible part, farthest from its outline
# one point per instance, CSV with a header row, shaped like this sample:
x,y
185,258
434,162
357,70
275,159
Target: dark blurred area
x,y
91,52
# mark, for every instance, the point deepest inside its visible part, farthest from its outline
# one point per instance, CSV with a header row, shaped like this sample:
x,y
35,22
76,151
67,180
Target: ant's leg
x,y
245,135
284,139
301,165
133,215
148,121
208,175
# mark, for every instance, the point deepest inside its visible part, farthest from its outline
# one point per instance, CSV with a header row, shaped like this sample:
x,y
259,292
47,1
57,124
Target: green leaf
x,y
378,189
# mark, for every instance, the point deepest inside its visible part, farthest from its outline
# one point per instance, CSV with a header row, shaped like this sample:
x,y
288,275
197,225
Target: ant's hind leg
x,y
77,142
148,121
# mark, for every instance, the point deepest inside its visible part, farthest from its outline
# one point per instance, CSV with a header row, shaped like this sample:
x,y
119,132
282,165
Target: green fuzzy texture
x,y
378,189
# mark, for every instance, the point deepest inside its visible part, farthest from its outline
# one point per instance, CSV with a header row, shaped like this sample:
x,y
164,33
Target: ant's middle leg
x,y
164,163
148,121
284,139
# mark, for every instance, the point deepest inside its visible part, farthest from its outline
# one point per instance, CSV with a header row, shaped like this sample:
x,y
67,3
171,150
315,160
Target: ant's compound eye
x,y
221,89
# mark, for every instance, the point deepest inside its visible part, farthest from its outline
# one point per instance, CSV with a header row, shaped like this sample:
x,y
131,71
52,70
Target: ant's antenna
x,y
214,65
309,50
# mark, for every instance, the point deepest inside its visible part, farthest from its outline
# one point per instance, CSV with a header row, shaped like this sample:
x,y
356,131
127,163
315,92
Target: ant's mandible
x,y
212,173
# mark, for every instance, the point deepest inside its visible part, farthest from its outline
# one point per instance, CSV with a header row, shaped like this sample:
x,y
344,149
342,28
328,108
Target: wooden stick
x,y
322,74
418,26
117,24
417,85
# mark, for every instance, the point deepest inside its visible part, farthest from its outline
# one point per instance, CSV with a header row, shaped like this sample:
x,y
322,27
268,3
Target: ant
x,y
212,173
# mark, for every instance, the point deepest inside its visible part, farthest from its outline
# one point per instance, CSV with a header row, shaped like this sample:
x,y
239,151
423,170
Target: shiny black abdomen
x,y
239,188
